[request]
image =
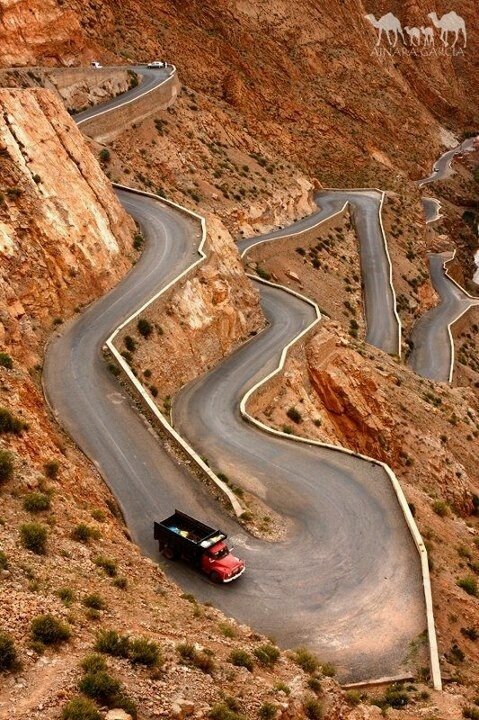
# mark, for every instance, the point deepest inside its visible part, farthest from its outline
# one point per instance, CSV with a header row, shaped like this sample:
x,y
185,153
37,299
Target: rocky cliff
x,y
64,238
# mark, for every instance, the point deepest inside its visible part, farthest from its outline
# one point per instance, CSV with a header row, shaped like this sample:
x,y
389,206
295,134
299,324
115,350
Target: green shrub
x,y
191,656
138,241
227,630
241,658
10,423
267,654
106,564
98,515
186,651
471,712
312,708
36,502
49,630
105,155
144,327
6,466
267,711
221,711
51,469
353,697
93,663
441,508
8,654
6,361
34,537
396,696
80,708
130,343
145,652
94,601
83,533
282,687
306,660
120,582
468,584
100,686
314,684
3,561
66,595
294,415
112,643
328,669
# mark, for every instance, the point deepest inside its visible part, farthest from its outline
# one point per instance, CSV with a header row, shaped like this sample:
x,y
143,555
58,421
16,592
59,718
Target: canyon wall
x,y
64,238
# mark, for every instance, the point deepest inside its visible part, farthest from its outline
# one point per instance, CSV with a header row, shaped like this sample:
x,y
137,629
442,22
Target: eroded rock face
x,y
31,30
202,321
62,232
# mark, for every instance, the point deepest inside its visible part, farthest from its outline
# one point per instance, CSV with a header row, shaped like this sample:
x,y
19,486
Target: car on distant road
x,y
157,65
95,64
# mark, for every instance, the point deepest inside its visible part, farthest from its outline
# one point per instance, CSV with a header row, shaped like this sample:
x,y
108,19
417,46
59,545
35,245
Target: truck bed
x,y
191,530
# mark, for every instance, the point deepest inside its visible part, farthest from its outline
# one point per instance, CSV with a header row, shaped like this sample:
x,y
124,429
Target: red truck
x,y
182,537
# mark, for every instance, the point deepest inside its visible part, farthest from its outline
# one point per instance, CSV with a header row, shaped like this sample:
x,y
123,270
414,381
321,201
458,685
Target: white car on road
x,y
157,64
95,64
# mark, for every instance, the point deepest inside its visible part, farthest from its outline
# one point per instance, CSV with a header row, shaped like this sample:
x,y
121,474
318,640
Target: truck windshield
x,y
219,553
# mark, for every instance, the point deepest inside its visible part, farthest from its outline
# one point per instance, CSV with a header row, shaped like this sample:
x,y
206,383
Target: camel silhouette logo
x,y
451,27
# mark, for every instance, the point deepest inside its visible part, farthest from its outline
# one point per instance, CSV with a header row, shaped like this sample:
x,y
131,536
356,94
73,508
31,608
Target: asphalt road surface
x,y
382,323
433,346
347,580
443,167
433,350
149,79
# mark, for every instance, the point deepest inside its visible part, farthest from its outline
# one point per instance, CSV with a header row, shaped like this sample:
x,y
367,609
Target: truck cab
x,y
219,563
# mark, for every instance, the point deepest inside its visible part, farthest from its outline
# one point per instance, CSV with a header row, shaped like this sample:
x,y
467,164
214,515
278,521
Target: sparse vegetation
x,y
84,533
469,585
112,643
104,155
8,653
441,508
51,469
312,708
267,711
145,652
6,466
36,502
241,658
106,564
306,660
94,601
80,708
49,630
267,654
294,415
34,537
11,424
6,361
144,327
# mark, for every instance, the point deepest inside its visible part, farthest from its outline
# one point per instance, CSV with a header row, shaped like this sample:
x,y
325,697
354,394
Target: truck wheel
x,y
214,577
169,553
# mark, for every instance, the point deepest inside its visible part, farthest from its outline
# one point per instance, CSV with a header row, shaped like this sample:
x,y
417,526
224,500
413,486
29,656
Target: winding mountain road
x,y
383,327
432,355
347,581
